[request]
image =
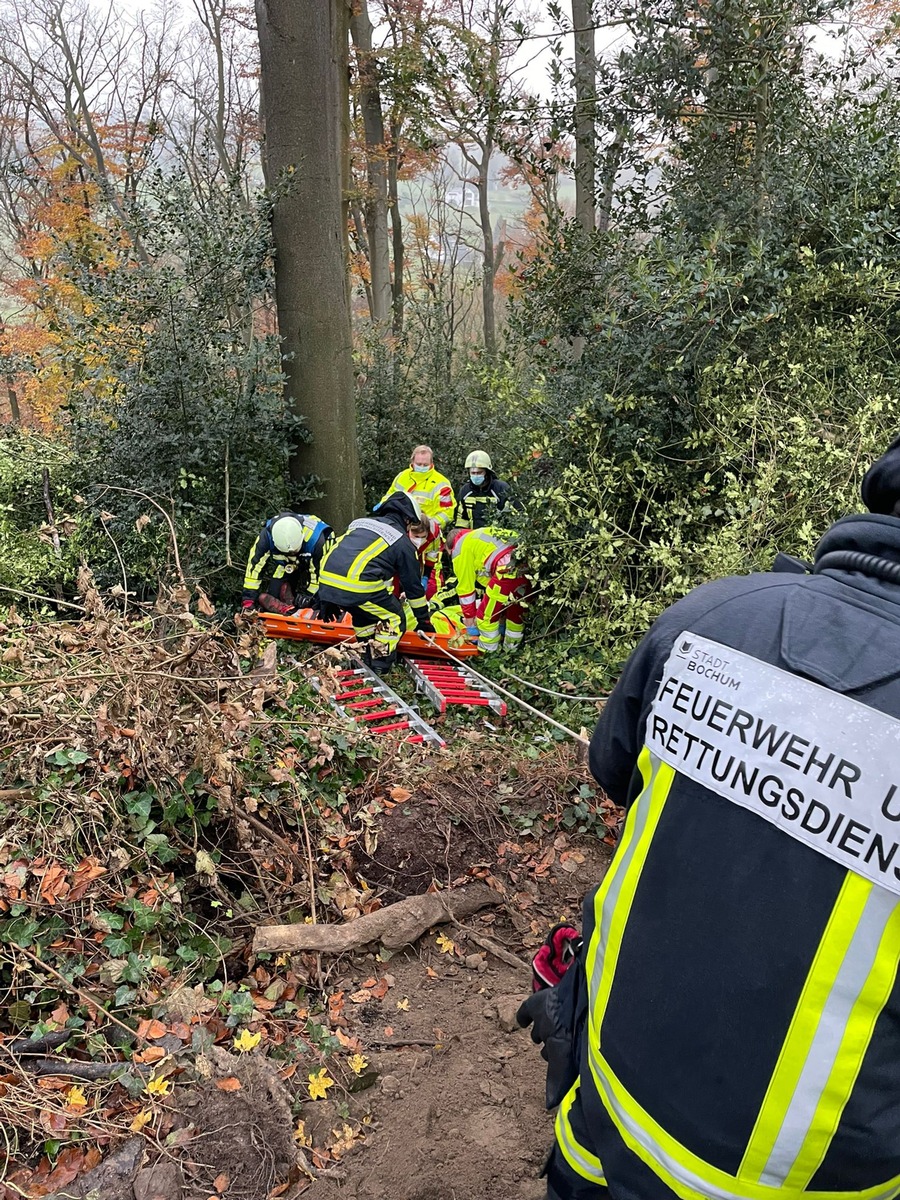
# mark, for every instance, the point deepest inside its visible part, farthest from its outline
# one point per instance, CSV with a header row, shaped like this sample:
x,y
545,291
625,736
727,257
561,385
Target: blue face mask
x,y
477,480
421,470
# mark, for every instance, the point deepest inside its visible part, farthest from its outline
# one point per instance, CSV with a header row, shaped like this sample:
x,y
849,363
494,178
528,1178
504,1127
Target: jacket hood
x,y
880,488
868,533
399,507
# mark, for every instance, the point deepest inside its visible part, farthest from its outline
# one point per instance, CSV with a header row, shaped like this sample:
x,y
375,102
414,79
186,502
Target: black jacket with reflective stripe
x,y
362,564
729,910
478,506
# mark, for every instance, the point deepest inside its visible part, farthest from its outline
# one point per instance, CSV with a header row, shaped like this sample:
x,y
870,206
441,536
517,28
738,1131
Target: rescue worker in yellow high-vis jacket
x,y
431,490
491,586
731,1028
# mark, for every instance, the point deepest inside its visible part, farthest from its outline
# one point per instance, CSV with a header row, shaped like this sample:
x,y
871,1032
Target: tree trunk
x,y
585,114
375,209
304,63
396,231
490,269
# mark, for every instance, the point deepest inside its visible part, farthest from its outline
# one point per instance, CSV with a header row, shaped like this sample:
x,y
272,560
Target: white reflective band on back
x,y
823,1052
386,532
822,767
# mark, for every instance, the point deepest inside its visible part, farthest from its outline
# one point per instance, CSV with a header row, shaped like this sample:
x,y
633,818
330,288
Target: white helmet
x,y
478,459
287,534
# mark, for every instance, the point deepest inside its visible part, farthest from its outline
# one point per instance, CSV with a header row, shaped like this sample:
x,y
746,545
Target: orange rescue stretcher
x,y
304,627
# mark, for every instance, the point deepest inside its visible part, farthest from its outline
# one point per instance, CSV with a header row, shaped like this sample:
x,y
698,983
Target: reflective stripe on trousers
x,y
578,1157
848,984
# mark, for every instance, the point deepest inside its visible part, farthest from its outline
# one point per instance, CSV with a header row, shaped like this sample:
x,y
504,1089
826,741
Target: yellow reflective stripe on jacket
x,y
862,938
579,1158
350,581
612,903
848,985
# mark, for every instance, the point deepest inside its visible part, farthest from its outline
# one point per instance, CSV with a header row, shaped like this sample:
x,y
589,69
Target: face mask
x,y
418,542
478,480
421,470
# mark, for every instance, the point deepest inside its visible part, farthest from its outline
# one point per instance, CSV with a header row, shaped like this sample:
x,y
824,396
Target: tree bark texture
x,y
585,116
375,206
304,64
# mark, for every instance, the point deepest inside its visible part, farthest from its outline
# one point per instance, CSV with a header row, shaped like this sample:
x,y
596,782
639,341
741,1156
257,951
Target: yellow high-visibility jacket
x,y
431,489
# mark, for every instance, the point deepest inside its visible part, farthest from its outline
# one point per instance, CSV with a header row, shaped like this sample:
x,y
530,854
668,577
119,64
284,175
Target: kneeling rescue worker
x,y
731,1026
283,561
492,589
357,576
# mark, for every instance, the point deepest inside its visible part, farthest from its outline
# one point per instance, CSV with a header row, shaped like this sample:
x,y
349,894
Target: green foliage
x,y
181,401
717,374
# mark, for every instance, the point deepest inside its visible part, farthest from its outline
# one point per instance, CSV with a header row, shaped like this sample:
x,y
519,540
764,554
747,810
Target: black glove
x,y
326,611
544,1011
424,625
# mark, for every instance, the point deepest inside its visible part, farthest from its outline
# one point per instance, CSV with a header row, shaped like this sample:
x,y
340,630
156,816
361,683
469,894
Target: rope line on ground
x,y
492,683
550,692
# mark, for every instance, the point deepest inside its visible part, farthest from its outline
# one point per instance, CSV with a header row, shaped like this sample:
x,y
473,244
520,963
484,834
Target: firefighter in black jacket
x,y
482,496
735,1013
357,576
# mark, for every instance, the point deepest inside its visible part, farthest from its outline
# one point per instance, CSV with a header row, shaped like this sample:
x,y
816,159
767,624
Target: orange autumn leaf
x,y
231,1084
151,1055
152,1029
221,1182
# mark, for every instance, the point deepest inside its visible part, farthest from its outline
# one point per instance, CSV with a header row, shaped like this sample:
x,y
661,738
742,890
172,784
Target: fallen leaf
x,y
446,945
247,1041
301,1136
380,989
159,1087
403,1005
319,1083
400,794
231,1084
348,1042
357,1063
154,1030
388,1031
151,1055
144,1117
221,1182
75,1098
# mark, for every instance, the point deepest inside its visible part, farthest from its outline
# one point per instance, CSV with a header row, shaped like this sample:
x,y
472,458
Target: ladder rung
x,y
376,716
388,728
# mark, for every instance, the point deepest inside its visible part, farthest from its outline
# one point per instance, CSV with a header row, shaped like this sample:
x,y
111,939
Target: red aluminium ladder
x,y
445,683
365,698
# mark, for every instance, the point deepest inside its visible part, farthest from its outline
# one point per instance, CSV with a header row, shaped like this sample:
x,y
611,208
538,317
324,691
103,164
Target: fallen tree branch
x,y
40,1045
77,1070
396,926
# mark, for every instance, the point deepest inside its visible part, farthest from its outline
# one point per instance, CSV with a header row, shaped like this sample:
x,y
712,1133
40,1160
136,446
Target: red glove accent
x,y
555,956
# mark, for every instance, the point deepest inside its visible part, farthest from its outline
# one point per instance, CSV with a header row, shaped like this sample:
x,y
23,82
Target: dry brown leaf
x,y
231,1084
400,794
151,1055
221,1182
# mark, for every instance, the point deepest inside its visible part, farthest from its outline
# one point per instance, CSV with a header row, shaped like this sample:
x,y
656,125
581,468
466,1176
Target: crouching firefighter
x,y
492,588
357,576
283,561
735,1030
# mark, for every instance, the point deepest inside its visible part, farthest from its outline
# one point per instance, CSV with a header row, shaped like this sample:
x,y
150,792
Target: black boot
x,y
382,663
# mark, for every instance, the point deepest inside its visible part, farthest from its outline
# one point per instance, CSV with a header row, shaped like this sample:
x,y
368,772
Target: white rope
x,y
549,691
493,684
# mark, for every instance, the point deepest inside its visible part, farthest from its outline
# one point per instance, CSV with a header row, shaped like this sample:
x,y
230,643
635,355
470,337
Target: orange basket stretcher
x,y
306,628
